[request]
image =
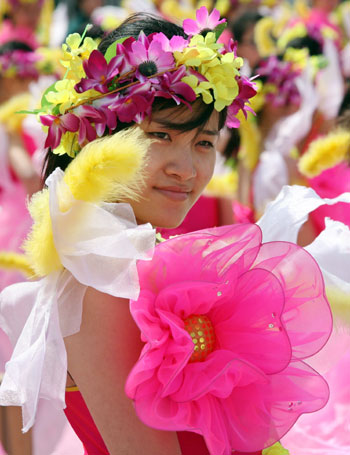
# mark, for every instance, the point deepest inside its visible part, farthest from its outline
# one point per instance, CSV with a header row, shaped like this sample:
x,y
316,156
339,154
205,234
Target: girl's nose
x,y
181,163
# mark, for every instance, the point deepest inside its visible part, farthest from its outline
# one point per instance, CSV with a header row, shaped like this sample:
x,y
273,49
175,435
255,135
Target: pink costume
x,y
329,184
80,418
204,214
257,316
15,220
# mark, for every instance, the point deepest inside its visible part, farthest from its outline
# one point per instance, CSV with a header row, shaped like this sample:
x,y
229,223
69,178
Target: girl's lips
x,y
173,193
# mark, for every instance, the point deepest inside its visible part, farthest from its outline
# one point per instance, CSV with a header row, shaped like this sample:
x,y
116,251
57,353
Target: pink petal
x,y
271,408
47,119
190,27
202,17
214,19
54,136
217,375
253,329
96,66
70,122
307,316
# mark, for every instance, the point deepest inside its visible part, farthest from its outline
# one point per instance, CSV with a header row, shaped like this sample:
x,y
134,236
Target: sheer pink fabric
x,y
267,307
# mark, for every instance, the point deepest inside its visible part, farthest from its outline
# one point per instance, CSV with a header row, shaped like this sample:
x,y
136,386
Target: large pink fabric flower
x,y
227,322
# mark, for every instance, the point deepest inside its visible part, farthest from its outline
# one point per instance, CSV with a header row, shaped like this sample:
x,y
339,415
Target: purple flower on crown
x,y
108,118
58,126
149,58
137,101
279,74
22,63
247,90
99,73
204,21
171,86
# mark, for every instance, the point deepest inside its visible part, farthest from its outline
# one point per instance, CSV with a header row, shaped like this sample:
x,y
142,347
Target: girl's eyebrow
x,y
209,132
175,127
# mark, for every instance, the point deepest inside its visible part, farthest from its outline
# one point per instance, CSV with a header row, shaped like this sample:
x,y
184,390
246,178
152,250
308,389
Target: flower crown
x,y
19,63
279,86
31,64
100,90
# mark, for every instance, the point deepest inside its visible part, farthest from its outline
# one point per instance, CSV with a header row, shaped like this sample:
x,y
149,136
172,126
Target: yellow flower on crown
x,y
263,36
74,52
69,144
65,95
201,50
219,70
298,57
297,31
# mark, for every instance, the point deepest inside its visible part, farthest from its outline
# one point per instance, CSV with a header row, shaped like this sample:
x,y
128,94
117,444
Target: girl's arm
x,y
100,358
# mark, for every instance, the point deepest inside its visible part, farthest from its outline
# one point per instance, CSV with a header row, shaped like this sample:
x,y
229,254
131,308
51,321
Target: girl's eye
x,y
159,135
206,144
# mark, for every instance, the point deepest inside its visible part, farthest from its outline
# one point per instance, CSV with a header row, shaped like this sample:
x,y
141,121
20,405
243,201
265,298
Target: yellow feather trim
x,y
324,153
8,115
276,449
39,245
108,169
16,261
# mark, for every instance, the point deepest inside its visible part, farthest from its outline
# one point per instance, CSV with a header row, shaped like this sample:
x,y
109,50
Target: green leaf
x,y
34,111
56,110
44,102
112,49
219,29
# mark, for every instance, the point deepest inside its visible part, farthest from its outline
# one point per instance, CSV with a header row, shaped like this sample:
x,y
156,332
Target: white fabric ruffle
x,y
283,219
99,247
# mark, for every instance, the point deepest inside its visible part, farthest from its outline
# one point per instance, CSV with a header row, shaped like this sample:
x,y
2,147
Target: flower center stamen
x,y
202,333
148,68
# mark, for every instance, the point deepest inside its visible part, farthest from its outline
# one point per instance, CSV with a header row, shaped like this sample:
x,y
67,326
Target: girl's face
x,y
179,166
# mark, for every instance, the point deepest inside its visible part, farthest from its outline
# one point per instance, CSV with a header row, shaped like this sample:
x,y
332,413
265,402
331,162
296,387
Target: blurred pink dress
x,y
329,184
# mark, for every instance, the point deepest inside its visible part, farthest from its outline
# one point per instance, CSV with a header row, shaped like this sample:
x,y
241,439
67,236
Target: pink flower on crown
x,y
280,74
99,73
247,90
137,101
149,58
107,118
226,337
205,21
171,86
58,126
175,43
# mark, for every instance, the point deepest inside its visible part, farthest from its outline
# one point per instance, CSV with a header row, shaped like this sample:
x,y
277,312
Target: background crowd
x,y
298,54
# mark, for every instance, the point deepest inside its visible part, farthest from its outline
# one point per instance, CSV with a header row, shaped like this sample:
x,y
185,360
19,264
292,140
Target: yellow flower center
x,y
202,333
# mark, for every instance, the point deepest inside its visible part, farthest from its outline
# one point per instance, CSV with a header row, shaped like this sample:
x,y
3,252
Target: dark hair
x,y
132,27
314,46
243,22
14,45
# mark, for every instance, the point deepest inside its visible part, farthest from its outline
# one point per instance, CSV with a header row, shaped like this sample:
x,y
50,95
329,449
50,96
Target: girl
x,y
178,86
